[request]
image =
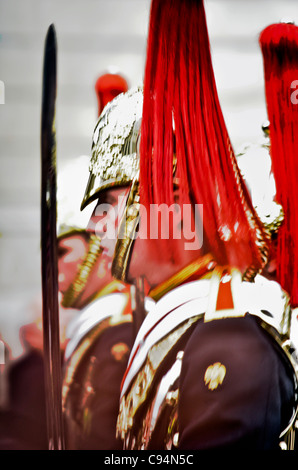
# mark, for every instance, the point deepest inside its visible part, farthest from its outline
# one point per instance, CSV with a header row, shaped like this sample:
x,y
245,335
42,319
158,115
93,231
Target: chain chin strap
x,y
126,235
77,287
252,271
262,236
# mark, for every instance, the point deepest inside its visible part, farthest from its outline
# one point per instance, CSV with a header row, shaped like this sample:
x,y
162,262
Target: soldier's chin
x,y
153,275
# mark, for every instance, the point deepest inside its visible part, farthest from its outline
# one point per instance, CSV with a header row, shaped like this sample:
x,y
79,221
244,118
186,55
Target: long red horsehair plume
x,y
279,45
182,116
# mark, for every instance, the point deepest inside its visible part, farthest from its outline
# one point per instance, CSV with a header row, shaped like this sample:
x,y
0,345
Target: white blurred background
x,y
93,36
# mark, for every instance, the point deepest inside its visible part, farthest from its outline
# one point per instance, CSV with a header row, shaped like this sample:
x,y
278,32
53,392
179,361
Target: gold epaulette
x,y
85,345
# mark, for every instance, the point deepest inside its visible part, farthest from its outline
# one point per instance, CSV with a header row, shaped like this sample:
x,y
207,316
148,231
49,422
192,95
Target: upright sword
x,y
49,264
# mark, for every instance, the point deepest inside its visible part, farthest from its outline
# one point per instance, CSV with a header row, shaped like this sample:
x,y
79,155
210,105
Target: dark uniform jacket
x,y
212,368
96,359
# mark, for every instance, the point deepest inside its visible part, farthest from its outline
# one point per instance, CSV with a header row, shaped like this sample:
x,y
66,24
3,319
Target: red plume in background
x,y
182,116
279,45
107,87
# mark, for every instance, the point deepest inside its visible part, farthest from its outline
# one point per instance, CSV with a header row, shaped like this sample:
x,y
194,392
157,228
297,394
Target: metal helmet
x,y
115,160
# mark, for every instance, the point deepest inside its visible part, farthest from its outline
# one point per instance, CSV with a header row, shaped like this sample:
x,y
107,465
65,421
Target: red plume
x,y
182,115
107,87
279,45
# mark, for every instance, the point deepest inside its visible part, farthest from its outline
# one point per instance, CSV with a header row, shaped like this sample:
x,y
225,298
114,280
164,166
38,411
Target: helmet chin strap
x,y
126,234
76,289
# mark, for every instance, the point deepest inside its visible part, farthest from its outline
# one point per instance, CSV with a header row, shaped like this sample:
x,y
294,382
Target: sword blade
x,y
49,264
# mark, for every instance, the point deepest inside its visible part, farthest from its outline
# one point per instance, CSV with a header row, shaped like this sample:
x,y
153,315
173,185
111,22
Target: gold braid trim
x,y
141,385
205,263
83,349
